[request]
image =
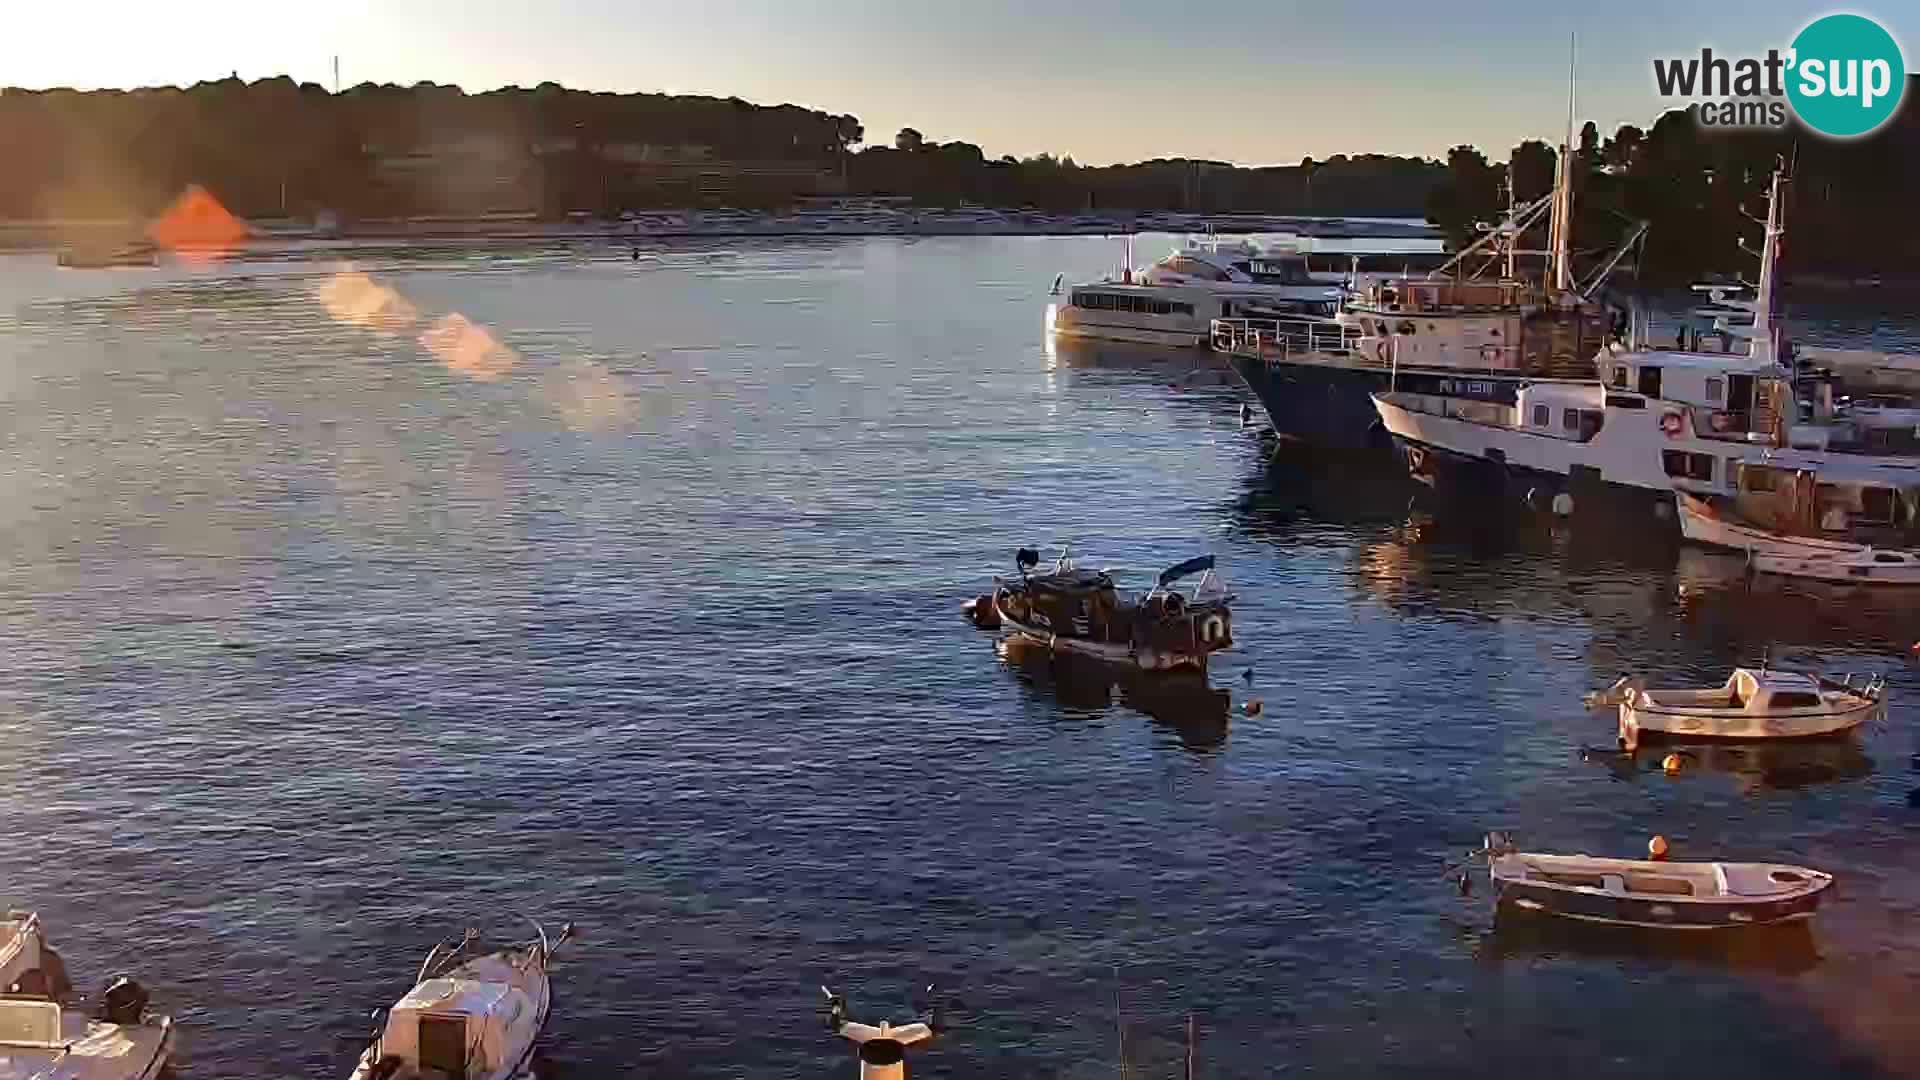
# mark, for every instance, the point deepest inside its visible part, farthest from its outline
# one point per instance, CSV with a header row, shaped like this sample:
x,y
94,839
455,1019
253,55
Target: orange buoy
x,y
1251,707
1672,764
1657,849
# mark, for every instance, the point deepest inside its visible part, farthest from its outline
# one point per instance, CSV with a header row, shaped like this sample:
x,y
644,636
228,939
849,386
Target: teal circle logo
x,y
1847,75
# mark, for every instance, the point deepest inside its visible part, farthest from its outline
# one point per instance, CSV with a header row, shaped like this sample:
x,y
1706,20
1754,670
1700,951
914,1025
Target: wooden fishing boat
x,y
1645,893
470,1015
44,1035
1751,704
1082,611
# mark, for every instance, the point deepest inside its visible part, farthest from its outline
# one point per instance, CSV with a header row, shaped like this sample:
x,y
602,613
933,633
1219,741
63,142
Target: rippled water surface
x,y
346,604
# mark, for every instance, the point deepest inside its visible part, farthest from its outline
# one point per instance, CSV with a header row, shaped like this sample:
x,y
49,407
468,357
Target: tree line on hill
x,y
1848,205
275,146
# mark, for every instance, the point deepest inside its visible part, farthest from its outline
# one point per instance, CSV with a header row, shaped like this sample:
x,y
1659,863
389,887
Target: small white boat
x,y
470,1016
1751,704
1645,893
44,1036
1865,566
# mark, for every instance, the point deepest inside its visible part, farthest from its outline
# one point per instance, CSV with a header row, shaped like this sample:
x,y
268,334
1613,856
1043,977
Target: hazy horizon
x,y
1248,83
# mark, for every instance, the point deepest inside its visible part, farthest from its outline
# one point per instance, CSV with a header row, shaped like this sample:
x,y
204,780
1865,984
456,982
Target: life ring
x,y
1671,424
1213,630
1721,421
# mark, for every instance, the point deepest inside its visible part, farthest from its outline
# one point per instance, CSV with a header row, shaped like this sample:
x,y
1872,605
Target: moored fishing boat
x,y
1082,611
470,1015
1655,423
45,1036
1751,704
1650,893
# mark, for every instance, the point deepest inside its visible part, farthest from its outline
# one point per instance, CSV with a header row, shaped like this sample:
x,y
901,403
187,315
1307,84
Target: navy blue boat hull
x,y
1331,406
1596,907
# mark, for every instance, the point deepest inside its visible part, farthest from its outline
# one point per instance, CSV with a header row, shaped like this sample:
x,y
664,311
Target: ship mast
x,y
1560,230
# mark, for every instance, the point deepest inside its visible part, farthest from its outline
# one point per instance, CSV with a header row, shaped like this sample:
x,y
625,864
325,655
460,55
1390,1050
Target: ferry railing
x,y
1279,338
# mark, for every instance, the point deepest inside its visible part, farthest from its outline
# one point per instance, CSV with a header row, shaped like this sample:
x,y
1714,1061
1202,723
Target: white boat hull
x,y
1865,567
1730,724
1146,658
1702,525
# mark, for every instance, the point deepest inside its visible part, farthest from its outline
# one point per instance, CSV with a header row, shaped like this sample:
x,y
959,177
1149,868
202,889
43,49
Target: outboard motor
x,y
883,1049
1025,559
122,1002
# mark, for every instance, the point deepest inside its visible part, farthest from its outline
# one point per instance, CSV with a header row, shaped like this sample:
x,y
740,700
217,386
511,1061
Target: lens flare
x,y
589,397
357,300
197,228
468,348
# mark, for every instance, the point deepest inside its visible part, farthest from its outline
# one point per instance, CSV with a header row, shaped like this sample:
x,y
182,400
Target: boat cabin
x,y
1861,504
1738,394
1755,692
456,1028
1570,411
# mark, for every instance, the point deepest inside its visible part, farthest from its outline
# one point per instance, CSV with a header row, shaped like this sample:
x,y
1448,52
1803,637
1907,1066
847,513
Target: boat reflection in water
x,y
1774,765
1534,938
1181,703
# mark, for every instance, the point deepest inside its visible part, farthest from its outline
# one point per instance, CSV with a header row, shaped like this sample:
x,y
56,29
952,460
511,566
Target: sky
x,y
1247,81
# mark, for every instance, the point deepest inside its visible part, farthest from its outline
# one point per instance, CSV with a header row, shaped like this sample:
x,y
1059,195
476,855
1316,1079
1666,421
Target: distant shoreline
x,y
1395,235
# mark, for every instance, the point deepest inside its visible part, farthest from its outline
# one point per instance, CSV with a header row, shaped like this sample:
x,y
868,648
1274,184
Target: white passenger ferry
x,y
1174,302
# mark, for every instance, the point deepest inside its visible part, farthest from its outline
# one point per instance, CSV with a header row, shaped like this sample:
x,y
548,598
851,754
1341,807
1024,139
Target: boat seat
x,y
1659,886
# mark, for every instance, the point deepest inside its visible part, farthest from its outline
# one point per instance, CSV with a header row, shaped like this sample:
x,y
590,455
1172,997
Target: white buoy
x,y
1563,504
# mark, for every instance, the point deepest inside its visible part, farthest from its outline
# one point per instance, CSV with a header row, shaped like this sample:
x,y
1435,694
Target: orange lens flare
x,y
197,228
468,348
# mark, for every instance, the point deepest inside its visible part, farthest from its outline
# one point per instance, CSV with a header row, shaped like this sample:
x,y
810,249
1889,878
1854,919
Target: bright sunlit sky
x,y
1249,81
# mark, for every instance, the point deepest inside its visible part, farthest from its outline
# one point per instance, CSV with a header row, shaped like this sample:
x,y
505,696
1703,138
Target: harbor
x,y
641,612
538,547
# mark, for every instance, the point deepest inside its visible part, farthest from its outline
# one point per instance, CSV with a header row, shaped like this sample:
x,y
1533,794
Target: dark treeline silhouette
x,y
1849,207
1363,185
274,146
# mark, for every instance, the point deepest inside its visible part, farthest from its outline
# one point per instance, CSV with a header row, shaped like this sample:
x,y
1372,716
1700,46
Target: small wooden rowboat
x,y
1663,895
1749,705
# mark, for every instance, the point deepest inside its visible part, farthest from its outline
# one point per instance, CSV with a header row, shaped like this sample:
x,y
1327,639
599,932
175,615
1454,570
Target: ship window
x,y
1715,388
1570,419
1620,376
1542,416
1194,268
1650,381
1184,309
1883,557
1733,473
1616,401
1690,466
1795,699
1759,478
1876,504
1405,326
